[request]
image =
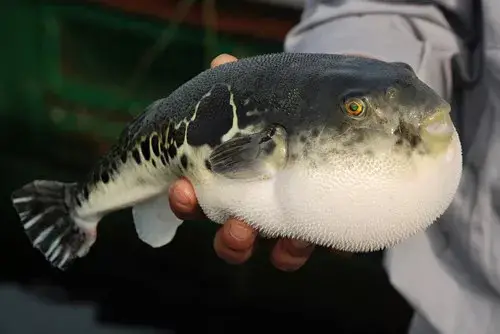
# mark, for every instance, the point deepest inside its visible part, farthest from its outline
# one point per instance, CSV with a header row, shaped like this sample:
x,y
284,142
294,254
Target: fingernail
x,y
182,197
239,231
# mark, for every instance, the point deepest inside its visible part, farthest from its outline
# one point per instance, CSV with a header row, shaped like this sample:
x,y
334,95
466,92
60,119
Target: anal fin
x,y
155,222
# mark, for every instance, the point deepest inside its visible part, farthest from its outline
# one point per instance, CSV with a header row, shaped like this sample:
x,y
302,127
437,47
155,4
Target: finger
x,y
291,255
183,202
222,59
234,241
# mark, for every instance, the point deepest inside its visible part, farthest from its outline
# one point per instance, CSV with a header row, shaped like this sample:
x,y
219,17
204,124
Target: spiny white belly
x,y
348,203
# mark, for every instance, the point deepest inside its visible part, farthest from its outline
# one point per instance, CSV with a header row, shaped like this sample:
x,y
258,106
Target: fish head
x,y
392,104
383,164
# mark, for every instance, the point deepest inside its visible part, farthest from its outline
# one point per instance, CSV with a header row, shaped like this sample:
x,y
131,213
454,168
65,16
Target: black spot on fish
x,y
272,131
163,160
214,118
294,157
172,152
146,149
123,157
155,145
104,177
414,140
78,201
179,134
244,105
113,166
136,155
303,139
269,147
315,132
96,175
208,165
171,132
184,161
153,162
162,141
85,192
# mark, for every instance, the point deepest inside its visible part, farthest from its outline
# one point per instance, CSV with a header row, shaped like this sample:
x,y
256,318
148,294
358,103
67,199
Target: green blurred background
x,y
71,75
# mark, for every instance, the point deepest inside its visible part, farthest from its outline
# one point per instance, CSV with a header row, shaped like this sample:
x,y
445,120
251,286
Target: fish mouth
x,y
437,130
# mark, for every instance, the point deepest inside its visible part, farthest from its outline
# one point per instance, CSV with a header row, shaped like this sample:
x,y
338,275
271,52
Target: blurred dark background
x,y
71,75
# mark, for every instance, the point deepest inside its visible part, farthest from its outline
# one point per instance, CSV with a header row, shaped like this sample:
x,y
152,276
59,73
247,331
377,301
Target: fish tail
x,y
46,210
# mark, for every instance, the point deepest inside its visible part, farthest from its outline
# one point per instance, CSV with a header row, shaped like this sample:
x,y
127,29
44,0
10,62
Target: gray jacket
x,y
450,273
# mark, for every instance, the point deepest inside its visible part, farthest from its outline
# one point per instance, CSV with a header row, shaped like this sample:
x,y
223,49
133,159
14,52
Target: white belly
x,y
348,204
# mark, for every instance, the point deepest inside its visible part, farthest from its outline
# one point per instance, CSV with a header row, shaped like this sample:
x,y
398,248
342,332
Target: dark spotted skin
x,y
184,162
298,91
215,107
155,145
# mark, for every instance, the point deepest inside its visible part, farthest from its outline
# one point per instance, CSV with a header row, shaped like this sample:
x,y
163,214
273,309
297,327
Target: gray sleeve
x,y
389,30
451,273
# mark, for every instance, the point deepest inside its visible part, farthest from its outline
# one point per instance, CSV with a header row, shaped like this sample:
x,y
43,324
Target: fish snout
x,y
437,130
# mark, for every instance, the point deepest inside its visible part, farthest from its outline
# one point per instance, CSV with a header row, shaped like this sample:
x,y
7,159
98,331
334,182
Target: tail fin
x,y
45,210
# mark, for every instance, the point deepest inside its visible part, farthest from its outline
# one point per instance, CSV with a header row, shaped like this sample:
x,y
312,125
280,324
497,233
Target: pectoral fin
x,y
255,156
154,222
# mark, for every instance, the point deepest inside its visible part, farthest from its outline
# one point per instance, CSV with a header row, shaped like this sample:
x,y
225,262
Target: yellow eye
x,y
354,107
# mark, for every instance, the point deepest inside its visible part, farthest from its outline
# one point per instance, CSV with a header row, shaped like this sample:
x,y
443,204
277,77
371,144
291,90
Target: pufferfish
x,y
340,151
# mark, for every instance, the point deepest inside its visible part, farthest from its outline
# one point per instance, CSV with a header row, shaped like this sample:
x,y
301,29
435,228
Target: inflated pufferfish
x,y
342,151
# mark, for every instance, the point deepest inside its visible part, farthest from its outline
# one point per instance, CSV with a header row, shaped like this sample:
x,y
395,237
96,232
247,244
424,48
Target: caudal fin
x,y
45,210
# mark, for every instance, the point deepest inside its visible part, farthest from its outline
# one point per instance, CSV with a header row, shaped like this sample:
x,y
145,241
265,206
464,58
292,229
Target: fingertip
x,y
182,195
298,248
231,256
290,255
182,199
222,59
237,235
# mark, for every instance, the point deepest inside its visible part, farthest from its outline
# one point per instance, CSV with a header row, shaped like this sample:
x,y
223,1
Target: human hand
x,y
235,240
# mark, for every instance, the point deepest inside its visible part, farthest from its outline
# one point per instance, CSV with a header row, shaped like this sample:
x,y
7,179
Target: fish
x,y
340,151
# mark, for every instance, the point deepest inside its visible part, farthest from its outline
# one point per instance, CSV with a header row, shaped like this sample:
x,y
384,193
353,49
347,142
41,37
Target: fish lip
x,y
437,131
438,126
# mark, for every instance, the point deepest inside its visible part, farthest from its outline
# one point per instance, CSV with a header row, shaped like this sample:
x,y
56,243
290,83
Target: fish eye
x,y
354,107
